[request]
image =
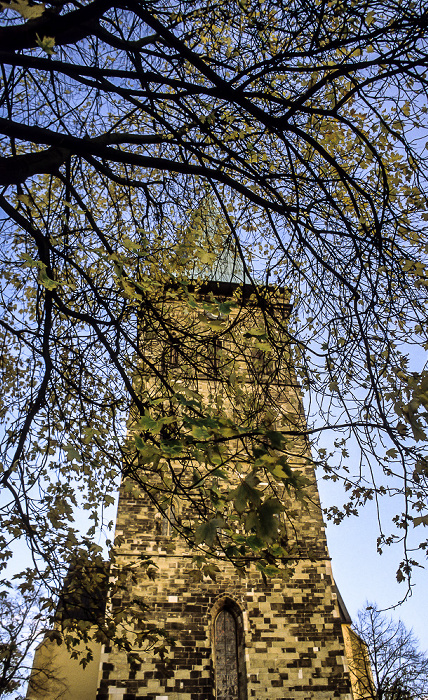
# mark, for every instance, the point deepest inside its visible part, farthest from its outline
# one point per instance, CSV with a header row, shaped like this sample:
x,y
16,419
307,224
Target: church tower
x,y
234,636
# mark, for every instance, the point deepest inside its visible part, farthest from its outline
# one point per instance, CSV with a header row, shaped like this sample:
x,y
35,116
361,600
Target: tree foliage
x,y
140,140
398,668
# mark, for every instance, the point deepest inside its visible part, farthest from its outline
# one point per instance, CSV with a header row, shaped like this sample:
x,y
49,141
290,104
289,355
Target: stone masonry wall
x,y
291,638
293,641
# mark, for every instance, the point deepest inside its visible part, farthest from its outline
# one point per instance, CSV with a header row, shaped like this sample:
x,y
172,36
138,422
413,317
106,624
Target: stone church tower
x,y
236,638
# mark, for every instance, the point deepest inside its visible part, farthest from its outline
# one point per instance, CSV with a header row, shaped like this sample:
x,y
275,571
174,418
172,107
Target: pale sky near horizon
x,y
362,574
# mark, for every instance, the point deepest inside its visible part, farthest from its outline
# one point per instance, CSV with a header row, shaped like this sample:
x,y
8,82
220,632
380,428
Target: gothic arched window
x,y
229,663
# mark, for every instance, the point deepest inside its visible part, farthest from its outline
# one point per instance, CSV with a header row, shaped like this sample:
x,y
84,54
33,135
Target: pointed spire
x,y
226,265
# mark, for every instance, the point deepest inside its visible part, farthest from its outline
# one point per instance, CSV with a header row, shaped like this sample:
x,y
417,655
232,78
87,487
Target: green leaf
x,y
24,8
245,493
207,532
205,256
265,347
268,525
392,453
139,442
251,521
268,569
146,422
254,543
276,439
200,432
278,472
225,308
43,278
255,332
172,448
72,453
400,576
192,302
47,43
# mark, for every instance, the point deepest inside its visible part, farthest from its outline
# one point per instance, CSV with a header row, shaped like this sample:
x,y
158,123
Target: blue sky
x,y
362,574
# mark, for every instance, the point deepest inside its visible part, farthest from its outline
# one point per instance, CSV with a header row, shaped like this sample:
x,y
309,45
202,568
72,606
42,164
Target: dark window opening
x,y
215,355
229,662
170,357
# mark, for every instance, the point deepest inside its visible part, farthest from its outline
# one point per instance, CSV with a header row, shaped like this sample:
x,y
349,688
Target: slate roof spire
x,y
227,265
